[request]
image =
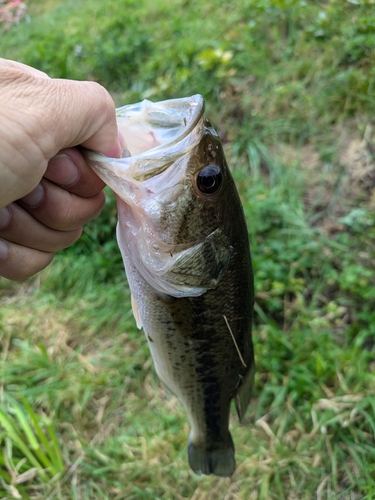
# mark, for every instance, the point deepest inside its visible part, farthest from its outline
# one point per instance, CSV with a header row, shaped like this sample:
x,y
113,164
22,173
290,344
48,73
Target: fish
x,y
185,247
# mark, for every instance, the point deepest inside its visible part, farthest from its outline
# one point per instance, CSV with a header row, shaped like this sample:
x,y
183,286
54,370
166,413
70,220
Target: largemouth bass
x,y
184,243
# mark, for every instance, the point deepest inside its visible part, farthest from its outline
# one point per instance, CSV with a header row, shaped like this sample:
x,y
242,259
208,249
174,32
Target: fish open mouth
x,y
156,134
147,125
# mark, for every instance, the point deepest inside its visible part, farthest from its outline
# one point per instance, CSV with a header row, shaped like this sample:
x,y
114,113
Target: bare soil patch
x,y
338,182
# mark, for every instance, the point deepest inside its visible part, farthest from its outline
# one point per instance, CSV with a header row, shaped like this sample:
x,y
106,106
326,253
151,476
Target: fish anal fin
x,y
243,391
136,313
219,461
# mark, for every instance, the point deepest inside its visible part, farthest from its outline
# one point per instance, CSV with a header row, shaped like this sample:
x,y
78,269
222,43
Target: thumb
x,y
84,114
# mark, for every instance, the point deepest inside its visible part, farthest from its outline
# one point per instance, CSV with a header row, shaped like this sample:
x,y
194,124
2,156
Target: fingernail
x,y
34,198
115,150
62,170
3,250
4,217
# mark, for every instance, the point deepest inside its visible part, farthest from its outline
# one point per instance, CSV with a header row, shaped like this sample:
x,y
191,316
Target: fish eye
x,y
209,179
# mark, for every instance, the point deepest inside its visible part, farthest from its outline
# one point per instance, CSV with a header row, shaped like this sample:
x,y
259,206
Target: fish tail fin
x,y
217,460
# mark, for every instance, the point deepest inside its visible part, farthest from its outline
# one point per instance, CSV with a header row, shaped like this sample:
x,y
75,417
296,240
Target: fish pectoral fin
x,y
203,265
243,391
136,313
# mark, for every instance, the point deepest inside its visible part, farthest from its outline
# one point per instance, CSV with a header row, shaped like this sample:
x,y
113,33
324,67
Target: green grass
x,y
290,85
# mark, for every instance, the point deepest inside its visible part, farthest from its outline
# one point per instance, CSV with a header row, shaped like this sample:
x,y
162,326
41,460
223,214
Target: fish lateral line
x,y
234,342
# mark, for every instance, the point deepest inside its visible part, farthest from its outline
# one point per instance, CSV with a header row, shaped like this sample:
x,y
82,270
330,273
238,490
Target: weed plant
x,y
290,85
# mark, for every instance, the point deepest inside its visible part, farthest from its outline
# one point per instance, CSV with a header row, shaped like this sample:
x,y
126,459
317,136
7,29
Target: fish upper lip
x,y
127,175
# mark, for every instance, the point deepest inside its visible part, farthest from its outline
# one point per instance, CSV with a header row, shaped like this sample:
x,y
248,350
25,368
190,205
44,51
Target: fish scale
x,y
184,242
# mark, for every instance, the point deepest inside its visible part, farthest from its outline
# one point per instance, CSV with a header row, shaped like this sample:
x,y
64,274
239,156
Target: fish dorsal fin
x,y
136,314
243,392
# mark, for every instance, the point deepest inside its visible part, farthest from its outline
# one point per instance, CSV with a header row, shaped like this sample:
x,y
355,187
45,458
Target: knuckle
x,y
104,101
71,237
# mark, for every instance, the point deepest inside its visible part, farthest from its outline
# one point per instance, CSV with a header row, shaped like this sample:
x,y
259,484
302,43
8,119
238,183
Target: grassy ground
x,y
290,85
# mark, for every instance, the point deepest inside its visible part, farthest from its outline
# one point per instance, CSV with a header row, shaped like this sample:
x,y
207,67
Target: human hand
x,y
47,190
